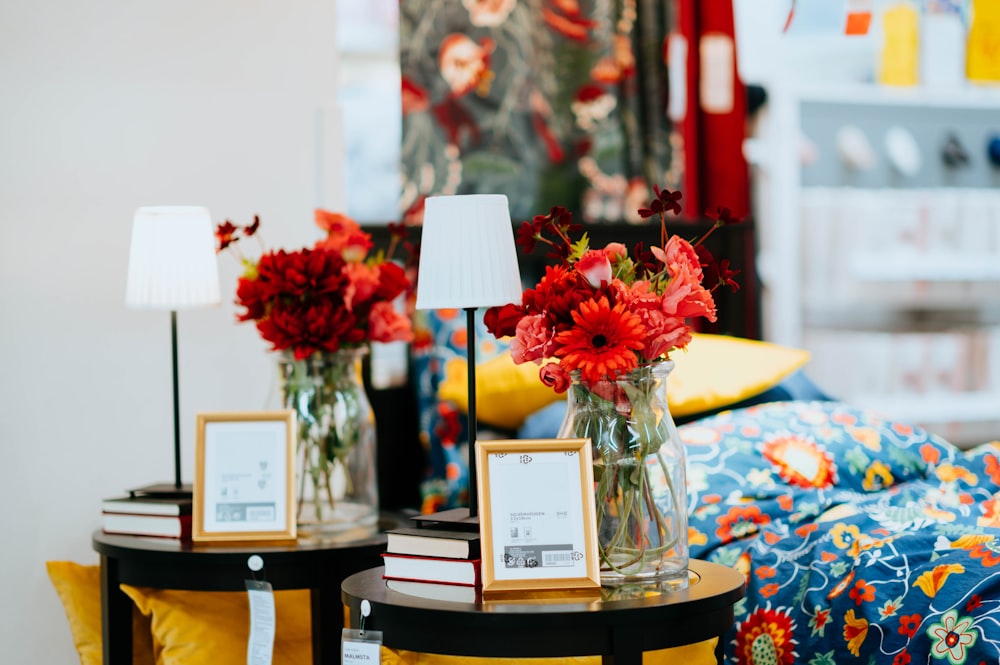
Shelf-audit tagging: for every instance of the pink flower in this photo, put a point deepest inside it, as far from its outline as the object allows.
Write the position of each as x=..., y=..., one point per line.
x=362, y=283
x=595, y=266
x=685, y=296
x=532, y=340
x=615, y=251
x=385, y=324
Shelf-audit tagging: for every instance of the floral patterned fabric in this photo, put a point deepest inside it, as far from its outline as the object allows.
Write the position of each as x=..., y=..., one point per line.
x=551, y=102
x=862, y=539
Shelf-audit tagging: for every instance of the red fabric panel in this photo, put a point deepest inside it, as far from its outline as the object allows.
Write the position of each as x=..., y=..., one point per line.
x=681, y=53
x=722, y=101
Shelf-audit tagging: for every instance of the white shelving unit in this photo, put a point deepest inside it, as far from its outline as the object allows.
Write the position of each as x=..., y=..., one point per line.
x=899, y=265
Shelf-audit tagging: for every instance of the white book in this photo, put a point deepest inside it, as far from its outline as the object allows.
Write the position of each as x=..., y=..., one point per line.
x=148, y=505
x=431, y=569
x=456, y=593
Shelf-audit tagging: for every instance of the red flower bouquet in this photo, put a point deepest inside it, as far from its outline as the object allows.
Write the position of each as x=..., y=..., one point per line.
x=602, y=324
x=323, y=298
x=603, y=312
x=320, y=307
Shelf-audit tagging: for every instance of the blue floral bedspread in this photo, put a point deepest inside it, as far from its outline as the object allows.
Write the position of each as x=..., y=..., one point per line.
x=862, y=539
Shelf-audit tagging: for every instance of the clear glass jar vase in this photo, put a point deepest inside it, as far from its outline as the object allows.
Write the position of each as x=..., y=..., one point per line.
x=336, y=464
x=639, y=474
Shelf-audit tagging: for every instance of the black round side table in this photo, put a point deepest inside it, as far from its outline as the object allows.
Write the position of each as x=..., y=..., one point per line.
x=618, y=625
x=320, y=567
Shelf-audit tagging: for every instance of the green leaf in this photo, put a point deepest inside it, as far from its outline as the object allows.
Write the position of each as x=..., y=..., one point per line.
x=579, y=248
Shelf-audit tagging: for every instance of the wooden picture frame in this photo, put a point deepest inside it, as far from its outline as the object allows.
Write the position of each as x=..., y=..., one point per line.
x=537, y=519
x=244, y=477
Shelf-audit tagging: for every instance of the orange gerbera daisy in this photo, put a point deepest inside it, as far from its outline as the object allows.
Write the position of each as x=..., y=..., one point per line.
x=603, y=342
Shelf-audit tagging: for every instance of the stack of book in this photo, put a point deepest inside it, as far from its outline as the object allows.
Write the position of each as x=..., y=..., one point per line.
x=433, y=563
x=161, y=516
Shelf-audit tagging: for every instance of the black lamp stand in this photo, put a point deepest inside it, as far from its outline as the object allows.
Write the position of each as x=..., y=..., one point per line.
x=177, y=488
x=463, y=519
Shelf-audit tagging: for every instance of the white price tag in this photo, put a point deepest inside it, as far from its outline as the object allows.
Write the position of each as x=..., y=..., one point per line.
x=361, y=647
x=262, y=623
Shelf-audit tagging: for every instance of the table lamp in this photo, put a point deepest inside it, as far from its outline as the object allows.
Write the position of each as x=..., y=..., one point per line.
x=467, y=261
x=172, y=265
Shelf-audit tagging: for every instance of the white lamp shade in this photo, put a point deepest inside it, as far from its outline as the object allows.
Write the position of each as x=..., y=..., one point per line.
x=467, y=255
x=172, y=263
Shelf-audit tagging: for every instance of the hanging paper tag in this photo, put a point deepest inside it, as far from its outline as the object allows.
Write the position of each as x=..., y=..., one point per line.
x=262, y=623
x=361, y=647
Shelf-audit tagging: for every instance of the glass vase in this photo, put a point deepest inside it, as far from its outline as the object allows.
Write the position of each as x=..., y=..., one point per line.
x=336, y=486
x=639, y=474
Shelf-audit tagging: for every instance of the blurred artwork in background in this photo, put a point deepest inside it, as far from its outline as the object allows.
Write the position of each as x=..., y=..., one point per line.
x=551, y=102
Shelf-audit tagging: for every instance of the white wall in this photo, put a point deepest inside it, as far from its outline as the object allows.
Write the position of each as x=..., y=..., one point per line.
x=107, y=105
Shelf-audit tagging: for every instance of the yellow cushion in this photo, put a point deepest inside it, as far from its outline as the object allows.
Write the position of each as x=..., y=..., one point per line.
x=212, y=627
x=506, y=393
x=716, y=371
x=700, y=653
x=79, y=590
x=713, y=372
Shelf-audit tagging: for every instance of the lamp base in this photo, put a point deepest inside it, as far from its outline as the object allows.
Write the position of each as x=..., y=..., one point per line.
x=456, y=519
x=165, y=490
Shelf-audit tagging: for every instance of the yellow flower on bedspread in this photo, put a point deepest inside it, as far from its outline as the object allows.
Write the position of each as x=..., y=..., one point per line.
x=855, y=631
x=949, y=473
x=877, y=476
x=844, y=535
x=932, y=581
x=869, y=437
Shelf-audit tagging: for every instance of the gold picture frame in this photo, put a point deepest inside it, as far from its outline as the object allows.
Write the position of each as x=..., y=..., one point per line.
x=244, y=477
x=537, y=521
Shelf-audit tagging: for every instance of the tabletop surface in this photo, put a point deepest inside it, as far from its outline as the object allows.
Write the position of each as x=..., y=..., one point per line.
x=712, y=586
x=132, y=546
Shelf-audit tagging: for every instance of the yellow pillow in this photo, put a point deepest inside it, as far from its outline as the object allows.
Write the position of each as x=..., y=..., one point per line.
x=79, y=590
x=716, y=371
x=700, y=653
x=212, y=627
x=713, y=372
x=506, y=393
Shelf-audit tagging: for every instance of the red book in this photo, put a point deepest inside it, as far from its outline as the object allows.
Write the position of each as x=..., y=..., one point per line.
x=464, y=572
x=161, y=526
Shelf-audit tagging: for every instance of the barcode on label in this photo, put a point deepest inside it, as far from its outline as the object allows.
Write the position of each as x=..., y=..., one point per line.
x=557, y=559
x=260, y=514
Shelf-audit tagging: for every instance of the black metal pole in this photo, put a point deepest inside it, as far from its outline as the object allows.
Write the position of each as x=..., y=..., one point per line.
x=470, y=341
x=177, y=414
